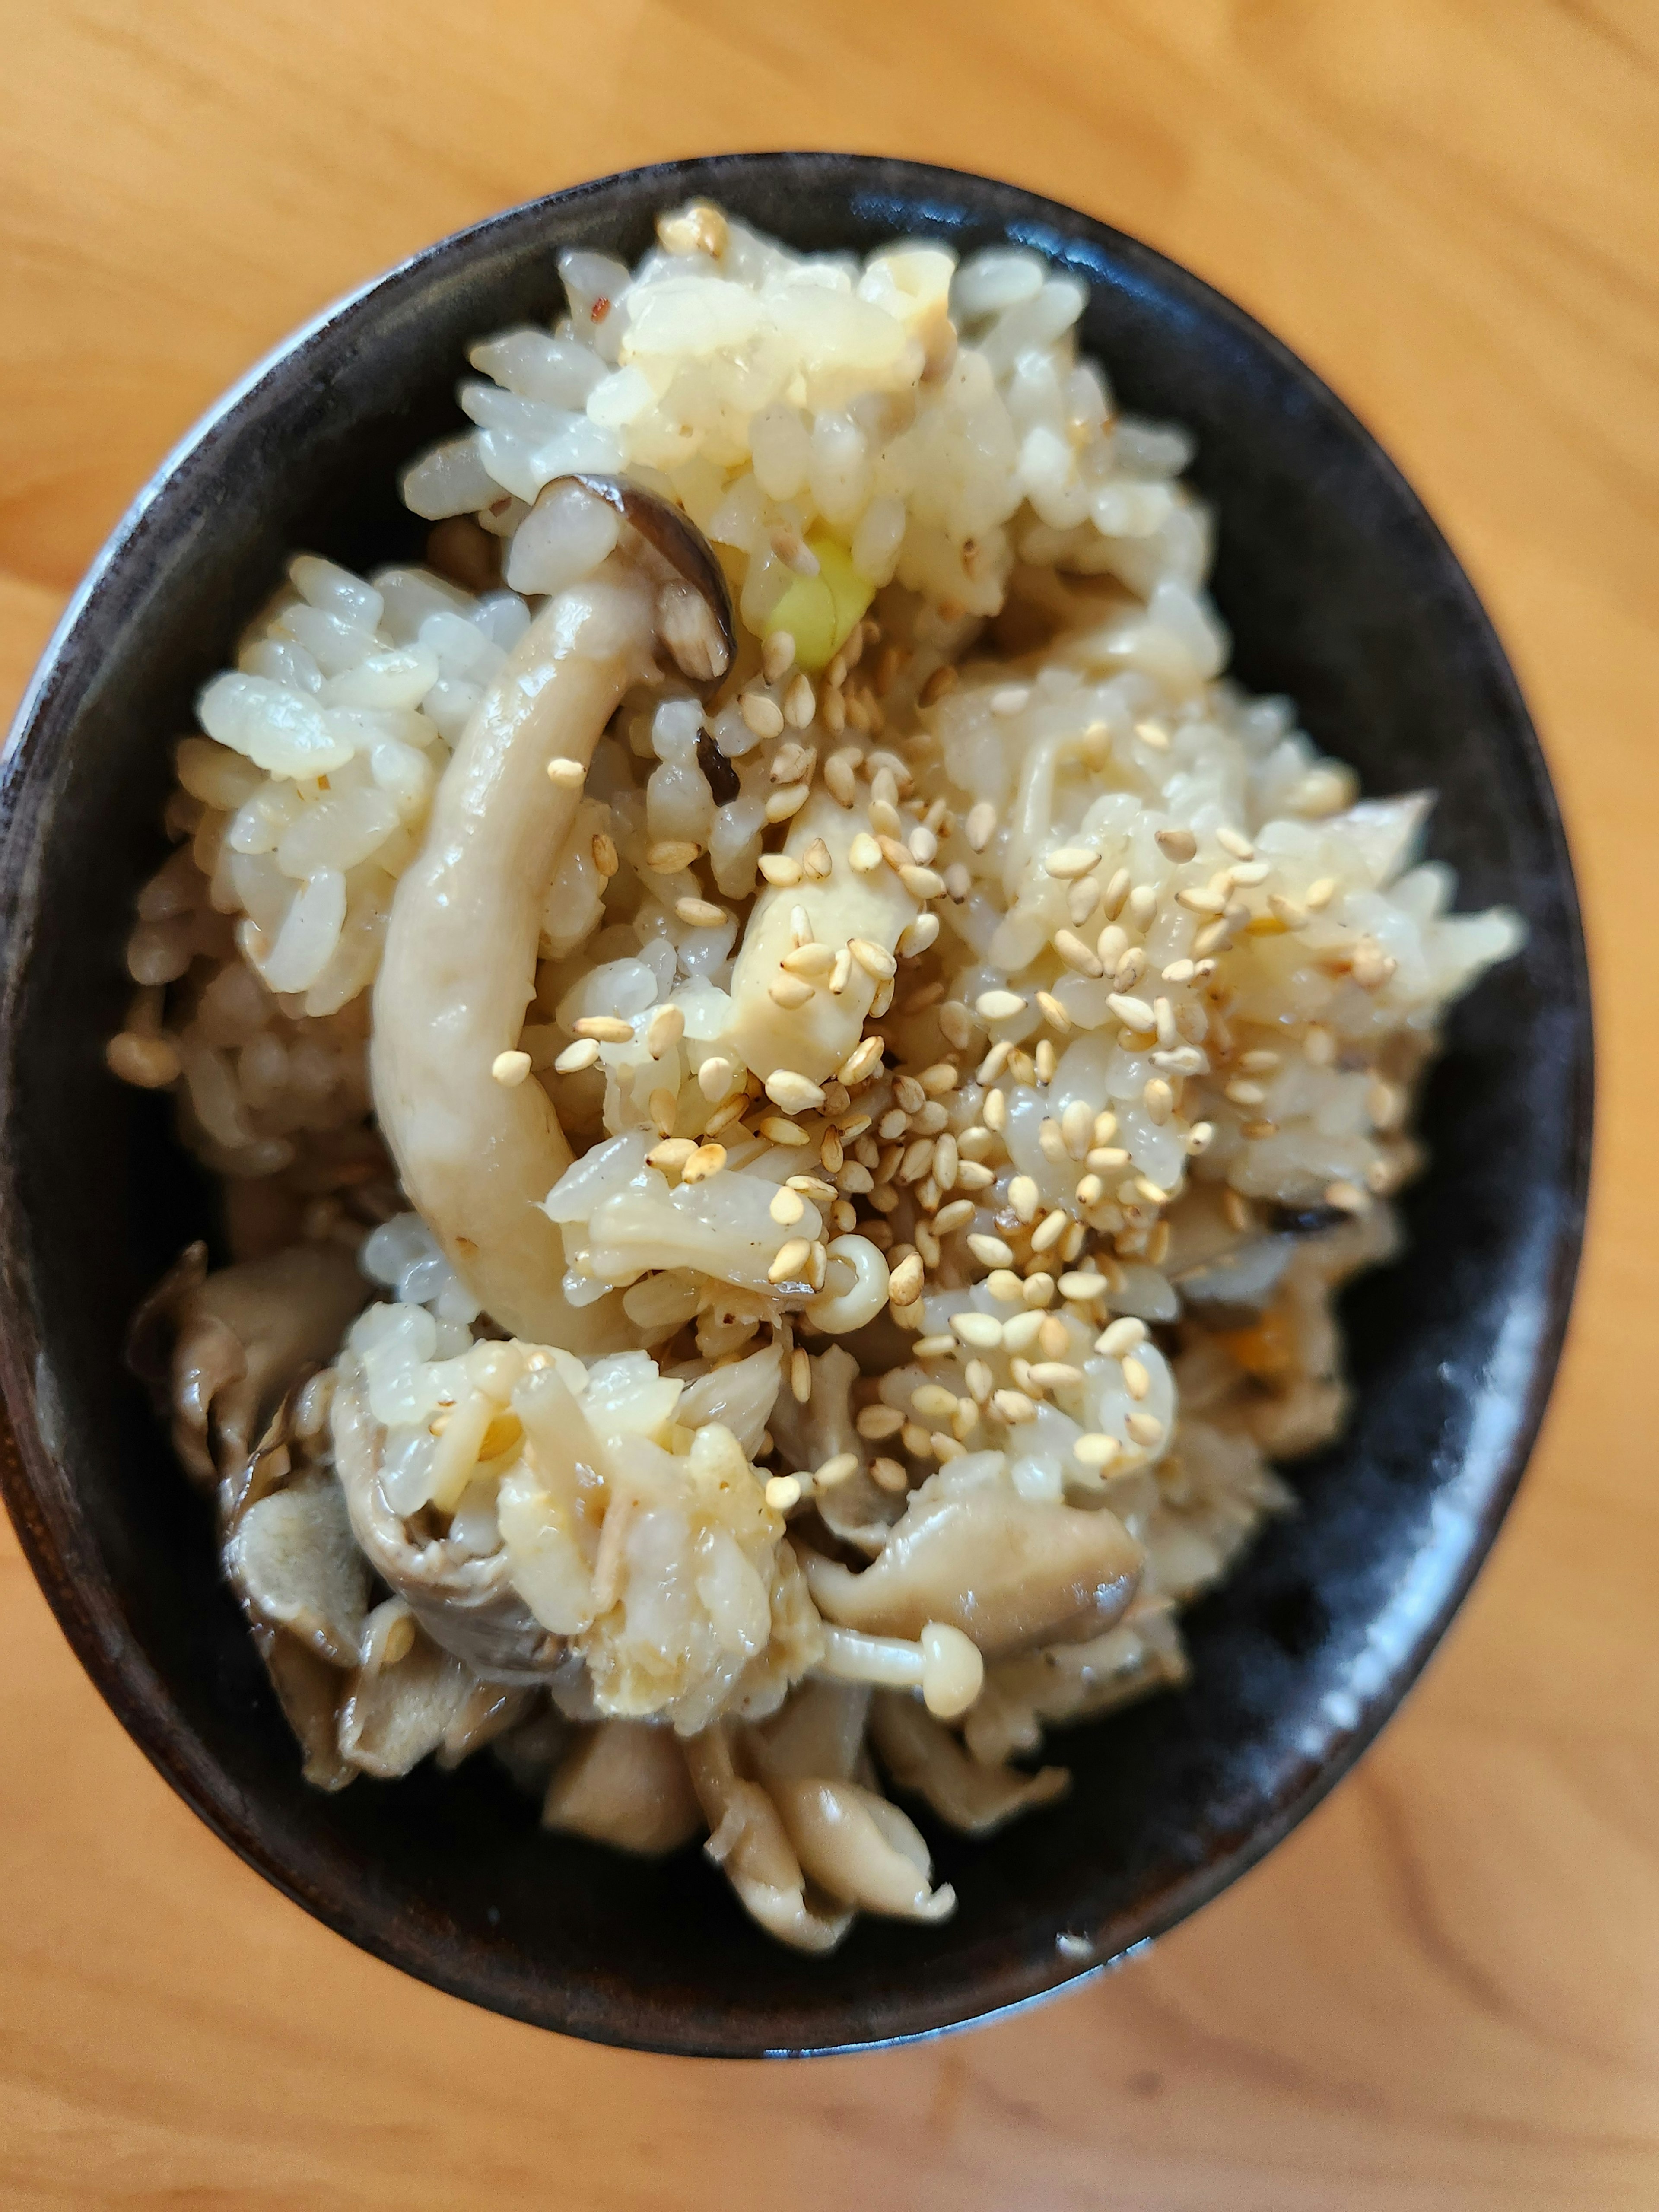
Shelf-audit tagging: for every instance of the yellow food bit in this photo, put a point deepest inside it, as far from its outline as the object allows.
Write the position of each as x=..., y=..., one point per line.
x=1267, y=1350
x=820, y=612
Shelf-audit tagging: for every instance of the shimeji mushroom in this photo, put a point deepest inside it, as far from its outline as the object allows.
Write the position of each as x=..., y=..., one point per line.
x=624, y=1783
x=1007, y=1571
x=476, y=1156
x=922, y=1755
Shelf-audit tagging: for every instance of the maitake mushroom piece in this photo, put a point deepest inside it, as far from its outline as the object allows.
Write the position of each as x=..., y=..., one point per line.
x=625, y=1784
x=467, y=1604
x=221, y=1350
x=477, y=1157
x=923, y=1756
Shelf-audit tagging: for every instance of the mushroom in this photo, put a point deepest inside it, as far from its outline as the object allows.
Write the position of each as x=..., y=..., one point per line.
x=922, y=1755
x=624, y=1783
x=220, y=1350
x=748, y=1839
x=291, y=1559
x=1007, y=1571
x=477, y=1156
x=861, y=1850
x=855, y=1508
x=394, y=1715
x=467, y=1604
x=309, y=1689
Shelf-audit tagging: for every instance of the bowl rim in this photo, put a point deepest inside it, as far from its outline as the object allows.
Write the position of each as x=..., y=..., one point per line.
x=37, y=1498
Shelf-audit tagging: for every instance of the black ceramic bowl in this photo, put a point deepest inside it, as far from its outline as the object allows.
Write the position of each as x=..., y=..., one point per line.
x=1341, y=591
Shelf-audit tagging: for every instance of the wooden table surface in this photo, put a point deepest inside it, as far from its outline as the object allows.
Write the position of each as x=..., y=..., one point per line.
x=1443, y=1991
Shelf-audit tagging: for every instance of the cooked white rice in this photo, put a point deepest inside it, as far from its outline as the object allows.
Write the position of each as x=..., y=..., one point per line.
x=981, y=1039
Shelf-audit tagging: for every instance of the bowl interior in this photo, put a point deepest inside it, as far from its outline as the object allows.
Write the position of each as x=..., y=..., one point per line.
x=1340, y=592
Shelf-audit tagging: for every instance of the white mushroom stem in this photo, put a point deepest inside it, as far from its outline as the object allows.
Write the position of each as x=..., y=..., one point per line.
x=815, y=1038
x=943, y=1664
x=477, y=1156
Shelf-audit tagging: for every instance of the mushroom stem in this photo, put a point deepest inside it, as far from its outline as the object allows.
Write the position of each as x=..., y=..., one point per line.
x=477, y=1156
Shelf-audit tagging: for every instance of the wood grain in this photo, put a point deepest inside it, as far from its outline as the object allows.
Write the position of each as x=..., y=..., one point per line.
x=1444, y=1991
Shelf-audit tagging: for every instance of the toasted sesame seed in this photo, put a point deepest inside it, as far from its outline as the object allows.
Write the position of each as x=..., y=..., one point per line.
x=981, y=824
x=672, y=1153
x=835, y=1469
x=576, y=1057
x=840, y=775
x=1143, y=905
x=714, y=1077
x=991, y=1251
x=913, y=939
x=1197, y=900
x=904, y=1283
x=605, y=858
x=982, y=1331
x=933, y=1401
x=1113, y=897
x=666, y=1029
x=1320, y=894
x=1145, y=1428
x=819, y=866
x=1024, y=1197
x=1133, y=1013
x=1050, y=1229
x=841, y=972
x=1154, y=1194
x=780, y=868
x=778, y=1131
x=783, y=804
x=568, y=775
x=1158, y=1099
x=791, y=1260
x=669, y=855
x=999, y=1006
x=1013, y=1407
x=950, y=1218
x=1243, y=1092
x=1053, y=1339
x=708, y=1160
x=700, y=913
x=1136, y=1380
x=920, y=883
x=1096, y=1449
x=787, y=1207
x=875, y=959
x=782, y=1491
x=1070, y=862
x=916, y=1440
x=800, y=702
x=1011, y=699
x=1347, y=1196
x=723, y=1116
x=878, y=1420
x=1076, y=954
x=510, y=1068
x=1177, y=845
x=777, y=655
x=1236, y=842
x=1053, y=1012
x=607, y=1029
x=794, y=1093
x=1083, y=1289
x=1056, y=1374
x=762, y=715
x=887, y=1474
x=789, y=992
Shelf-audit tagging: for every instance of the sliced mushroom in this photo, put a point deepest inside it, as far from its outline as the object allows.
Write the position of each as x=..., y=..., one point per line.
x=1007, y=1571
x=625, y=1784
x=310, y=1692
x=486, y=1711
x=861, y=1850
x=466, y=1604
x=477, y=1157
x=238, y=1339
x=921, y=1754
x=856, y=1508
x=394, y=1717
x=293, y=1562
x=819, y=1732
x=739, y=1395
x=748, y=1839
